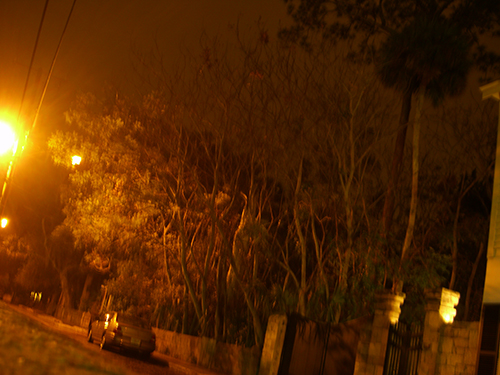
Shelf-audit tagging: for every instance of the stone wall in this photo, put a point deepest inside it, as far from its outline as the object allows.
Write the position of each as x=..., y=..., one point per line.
x=207, y=353
x=458, y=349
x=372, y=345
x=448, y=348
x=73, y=317
x=202, y=351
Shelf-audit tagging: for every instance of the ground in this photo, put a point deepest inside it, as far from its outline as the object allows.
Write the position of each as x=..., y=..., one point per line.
x=29, y=348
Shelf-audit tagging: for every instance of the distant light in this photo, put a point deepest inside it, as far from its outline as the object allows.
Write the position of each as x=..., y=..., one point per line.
x=7, y=137
x=76, y=160
x=4, y=222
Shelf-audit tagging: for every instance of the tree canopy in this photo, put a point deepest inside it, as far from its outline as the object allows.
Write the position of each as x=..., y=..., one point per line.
x=252, y=182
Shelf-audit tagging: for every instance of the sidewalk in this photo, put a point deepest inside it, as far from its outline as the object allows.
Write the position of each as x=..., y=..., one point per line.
x=50, y=321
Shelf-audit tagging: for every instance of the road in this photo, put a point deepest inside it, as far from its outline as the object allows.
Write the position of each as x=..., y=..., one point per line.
x=33, y=344
x=151, y=366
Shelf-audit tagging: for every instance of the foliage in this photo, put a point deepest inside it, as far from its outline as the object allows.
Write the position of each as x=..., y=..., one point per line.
x=247, y=184
x=369, y=22
x=428, y=52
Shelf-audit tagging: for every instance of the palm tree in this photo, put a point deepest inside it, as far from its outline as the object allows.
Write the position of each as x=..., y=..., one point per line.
x=430, y=58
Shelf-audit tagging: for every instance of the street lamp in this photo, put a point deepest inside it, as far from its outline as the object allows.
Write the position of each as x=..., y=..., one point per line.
x=76, y=160
x=8, y=145
x=7, y=138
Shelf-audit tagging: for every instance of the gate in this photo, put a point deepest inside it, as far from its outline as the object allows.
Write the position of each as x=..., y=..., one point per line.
x=403, y=349
x=312, y=348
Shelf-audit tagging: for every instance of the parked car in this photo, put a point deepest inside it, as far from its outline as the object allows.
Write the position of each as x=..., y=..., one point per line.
x=119, y=330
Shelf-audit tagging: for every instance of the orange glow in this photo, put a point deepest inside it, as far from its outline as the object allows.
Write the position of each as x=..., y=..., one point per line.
x=4, y=222
x=7, y=138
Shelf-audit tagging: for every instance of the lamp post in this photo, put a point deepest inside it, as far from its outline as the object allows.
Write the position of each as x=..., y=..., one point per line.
x=7, y=138
x=76, y=160
x=8, y=148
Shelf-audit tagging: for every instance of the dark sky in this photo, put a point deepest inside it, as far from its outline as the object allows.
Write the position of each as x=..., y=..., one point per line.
x=100, y=46
x=104, y=38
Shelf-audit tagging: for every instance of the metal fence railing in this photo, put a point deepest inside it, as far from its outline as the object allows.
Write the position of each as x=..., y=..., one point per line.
x=403, y=349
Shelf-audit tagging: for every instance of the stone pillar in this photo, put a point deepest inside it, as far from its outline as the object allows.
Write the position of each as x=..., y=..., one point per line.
x=439, y=310
x=372, y=346
x=273, y=345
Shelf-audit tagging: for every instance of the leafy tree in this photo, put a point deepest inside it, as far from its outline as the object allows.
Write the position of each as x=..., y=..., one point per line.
x=246, y=184
x=375, y=25
x=105, y=198
x=432, y=56
x=12, y=256
x=464, y=171
x=102, y=200
x=65, y=259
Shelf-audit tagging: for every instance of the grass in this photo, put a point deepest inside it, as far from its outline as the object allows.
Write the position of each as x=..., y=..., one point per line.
x=27, y=347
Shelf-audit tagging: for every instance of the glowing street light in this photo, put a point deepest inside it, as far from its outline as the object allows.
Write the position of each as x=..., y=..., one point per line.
x=7, y=138
x=4, y=222
x=76, y=160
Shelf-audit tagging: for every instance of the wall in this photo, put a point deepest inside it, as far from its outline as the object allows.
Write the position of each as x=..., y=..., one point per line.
x=451, y=350
x=73, y=317
x=204, y=352
x=372, y=346
x=458, y=349
x=447, y=348
x=207, y=353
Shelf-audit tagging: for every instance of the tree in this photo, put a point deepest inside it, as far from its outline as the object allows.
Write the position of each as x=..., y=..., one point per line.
x=373, y=24
x=102, y=200
x=432, y=56
x=466, y=139
x=244, y=141
x=247, y=184
x=105, y=197
x=65, y=259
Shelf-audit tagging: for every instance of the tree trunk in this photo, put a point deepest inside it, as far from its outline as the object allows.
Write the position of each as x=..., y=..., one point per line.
x=303, y=248
x=85, y=293
x=187, y=279
x=454, y=253
x=471, y=281
x=67, y=300
x=398, y=285
x=257, y=325
x=397, y=161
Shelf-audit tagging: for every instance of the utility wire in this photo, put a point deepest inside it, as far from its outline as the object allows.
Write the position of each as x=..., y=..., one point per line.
x=30, y=68
x=10, y=171
x=49, y=75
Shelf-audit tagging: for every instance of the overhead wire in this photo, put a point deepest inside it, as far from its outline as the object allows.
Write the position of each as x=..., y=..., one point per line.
x=17, y=153
x=49, y=75
x=30, y=68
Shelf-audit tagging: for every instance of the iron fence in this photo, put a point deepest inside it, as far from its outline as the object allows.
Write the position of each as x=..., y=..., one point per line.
x=403, y=349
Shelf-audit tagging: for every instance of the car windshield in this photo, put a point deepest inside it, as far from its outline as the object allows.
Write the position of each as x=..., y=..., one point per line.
x=131, y=320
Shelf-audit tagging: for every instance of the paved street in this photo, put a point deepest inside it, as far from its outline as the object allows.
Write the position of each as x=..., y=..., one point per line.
x=35, y=344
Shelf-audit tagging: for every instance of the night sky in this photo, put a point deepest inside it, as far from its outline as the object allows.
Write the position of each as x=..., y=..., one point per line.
x=104, y=38
x=100, y=47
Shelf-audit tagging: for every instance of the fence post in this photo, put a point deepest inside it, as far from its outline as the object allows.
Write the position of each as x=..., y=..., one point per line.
x=273, y=345
x=439, y=310
x=372, y=345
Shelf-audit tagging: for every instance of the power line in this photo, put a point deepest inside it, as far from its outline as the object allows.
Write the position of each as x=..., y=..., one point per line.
x=30, y=68
x=49, y=75
x=13, y=162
